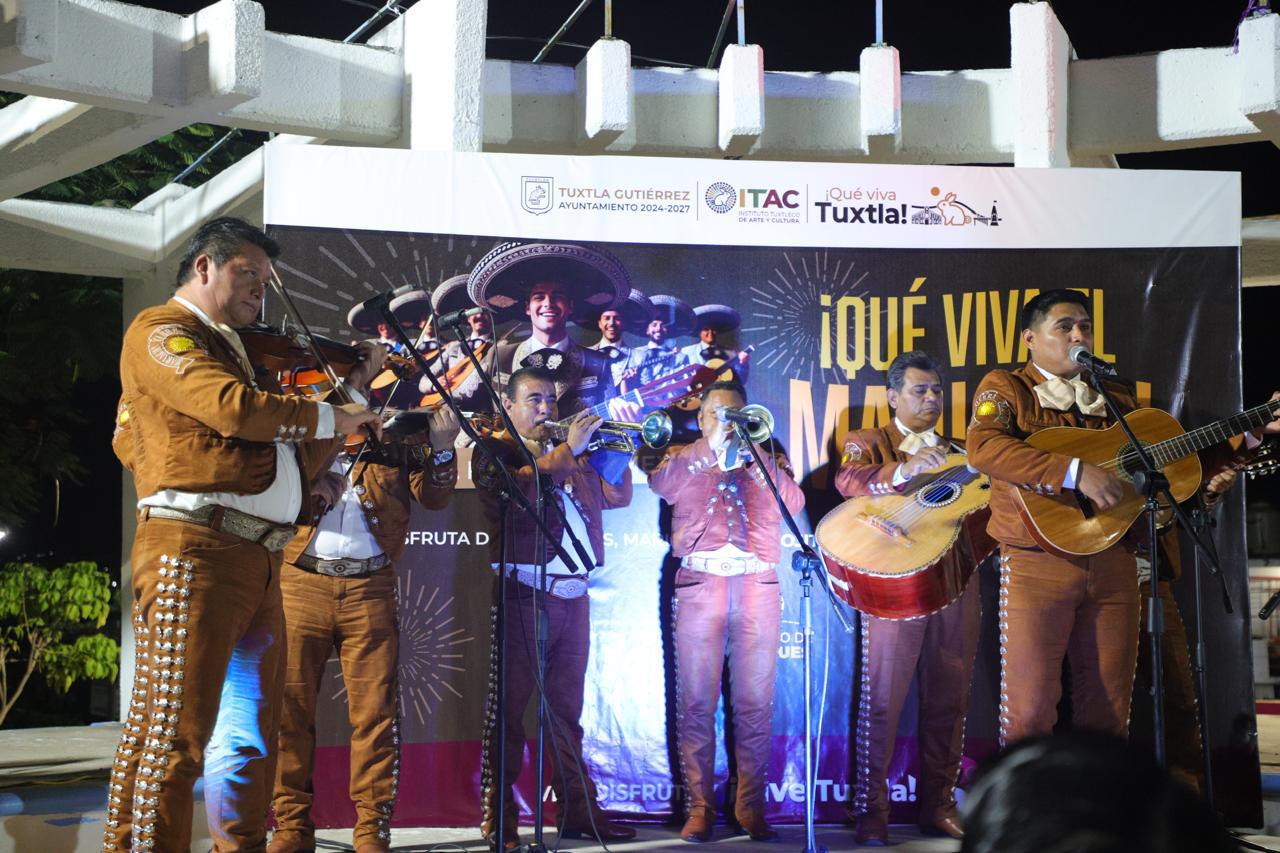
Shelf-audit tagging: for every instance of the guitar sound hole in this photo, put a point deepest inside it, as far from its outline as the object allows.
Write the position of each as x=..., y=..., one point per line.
x=938, y=494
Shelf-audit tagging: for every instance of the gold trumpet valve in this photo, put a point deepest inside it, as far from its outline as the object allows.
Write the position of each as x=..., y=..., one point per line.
x=888, y=528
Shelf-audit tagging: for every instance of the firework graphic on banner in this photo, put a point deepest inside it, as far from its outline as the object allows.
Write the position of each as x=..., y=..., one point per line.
x=431, y=648
x=329, y=270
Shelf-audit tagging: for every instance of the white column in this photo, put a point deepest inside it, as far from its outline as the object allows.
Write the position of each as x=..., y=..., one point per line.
x=880, y=97
x=1040, y=51
x=741, y=98
x=606, y=93
x=444, y=75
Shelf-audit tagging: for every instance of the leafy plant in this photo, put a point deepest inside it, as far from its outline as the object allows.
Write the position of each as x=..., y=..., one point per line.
x=48, y=617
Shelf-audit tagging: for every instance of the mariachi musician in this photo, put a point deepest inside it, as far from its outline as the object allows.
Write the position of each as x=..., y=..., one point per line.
x=940, y=647
x=1082, y=608
x=710, y=322
x=517, y=549
x=464, y=382
x=632, y=316
x=672, y=317
x=339, y=589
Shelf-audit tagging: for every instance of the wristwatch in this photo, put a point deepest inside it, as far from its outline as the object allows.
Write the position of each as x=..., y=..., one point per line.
x=442, y=457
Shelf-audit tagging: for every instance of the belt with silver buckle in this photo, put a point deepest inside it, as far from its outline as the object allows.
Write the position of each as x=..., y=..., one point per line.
x=561, y=586
x=342, y=568
x=726, y=566
x=268, y=534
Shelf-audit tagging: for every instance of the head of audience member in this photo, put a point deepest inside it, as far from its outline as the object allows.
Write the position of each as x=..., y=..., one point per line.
x=728, y=394
x=1054, y=322
x=225, y=270
x=1085, y=792
x=530, y=400
x=548, y=309
x=611, y=326
x=915, y=390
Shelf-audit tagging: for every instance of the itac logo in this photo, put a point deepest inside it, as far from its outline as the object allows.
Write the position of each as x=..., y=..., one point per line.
x=535, y=193
x=721, y=197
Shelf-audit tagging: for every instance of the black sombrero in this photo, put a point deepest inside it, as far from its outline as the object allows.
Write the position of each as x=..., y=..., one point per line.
x=594, y=278
x=722, y=318
x=675, y=312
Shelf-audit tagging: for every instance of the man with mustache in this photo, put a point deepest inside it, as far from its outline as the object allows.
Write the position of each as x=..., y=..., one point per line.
x=940, y=647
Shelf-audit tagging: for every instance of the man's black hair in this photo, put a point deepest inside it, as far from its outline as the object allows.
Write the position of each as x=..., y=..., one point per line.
x=526, y=374
x=919, y=359
x=1037, y=309
x=222, y=239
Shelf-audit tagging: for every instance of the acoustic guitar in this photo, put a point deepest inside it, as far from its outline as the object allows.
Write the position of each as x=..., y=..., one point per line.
x=1070, y=525
x=724, y=369
x=884, y=552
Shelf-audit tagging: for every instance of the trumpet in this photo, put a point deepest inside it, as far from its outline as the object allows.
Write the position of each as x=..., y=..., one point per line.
x=654, y=431
x=755, y=422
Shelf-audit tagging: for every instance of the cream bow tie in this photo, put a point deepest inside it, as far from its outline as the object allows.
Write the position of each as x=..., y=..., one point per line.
x=913, y=441
x=1061, y=394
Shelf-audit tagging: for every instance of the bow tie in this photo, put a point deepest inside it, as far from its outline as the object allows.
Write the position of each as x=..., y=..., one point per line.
x=714, y=352
x=1061, y=394
x=913, y=441
x=612, y=352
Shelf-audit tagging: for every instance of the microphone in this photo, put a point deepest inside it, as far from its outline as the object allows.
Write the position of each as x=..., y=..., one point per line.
x=375, y=302
x=1081, y=356
x=457, y=318
x=738, y=416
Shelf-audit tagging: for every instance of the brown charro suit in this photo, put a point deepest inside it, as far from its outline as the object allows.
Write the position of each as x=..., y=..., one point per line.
x=1085, y=608
x=725, y=615
x=358, y=616
x=941, y=647
x=567, y=624
x=207, y=616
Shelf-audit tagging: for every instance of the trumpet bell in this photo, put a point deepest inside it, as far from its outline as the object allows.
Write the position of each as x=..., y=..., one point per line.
x=762, y=422
x=655, y=429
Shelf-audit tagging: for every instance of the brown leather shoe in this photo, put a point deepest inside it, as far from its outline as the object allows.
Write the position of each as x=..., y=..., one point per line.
x=510, y=841
x=603, y=830
x=699, y=825
x=755, y=826
x=945, y=824
x=870, y=830
x=290, y=843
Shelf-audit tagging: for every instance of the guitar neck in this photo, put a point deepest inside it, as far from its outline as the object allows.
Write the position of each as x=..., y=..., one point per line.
x=1196, y=440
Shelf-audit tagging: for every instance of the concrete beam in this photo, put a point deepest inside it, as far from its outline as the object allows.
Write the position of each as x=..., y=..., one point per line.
x=443, y=64
x=880, y=101
x=1259, y=61
x=27, y=34
x=741, y=98
x=605, y=91
x=1040, y=53
x=28, y=242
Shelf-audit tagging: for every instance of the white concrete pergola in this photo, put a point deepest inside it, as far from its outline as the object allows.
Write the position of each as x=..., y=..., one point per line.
x=105, y=77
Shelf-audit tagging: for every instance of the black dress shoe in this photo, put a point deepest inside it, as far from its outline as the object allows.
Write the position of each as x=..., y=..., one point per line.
x=604, y=830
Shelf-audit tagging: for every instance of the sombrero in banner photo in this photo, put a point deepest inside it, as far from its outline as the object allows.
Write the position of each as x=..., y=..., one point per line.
x=412, y=308
x=675, y=312
x=365, y=318
x=722, y=318
x=451, y=295
x=637, y=311
x=595, y=279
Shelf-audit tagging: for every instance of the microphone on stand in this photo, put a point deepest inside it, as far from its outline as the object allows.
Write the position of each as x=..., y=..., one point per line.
x=374, y=302
x=1081, y=356
x=1274, y=601
x=457, y=318
x=739, y=416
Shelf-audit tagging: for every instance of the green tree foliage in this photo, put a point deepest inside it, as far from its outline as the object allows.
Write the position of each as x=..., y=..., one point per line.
x=47, y=621
x=60, y=331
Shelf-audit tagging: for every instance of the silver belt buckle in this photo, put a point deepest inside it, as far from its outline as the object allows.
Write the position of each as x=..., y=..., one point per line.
x=278, y=538
x=566, y=588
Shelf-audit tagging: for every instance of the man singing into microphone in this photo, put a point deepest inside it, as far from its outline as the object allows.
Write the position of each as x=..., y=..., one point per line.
x=725, y=532
x=1085, y=608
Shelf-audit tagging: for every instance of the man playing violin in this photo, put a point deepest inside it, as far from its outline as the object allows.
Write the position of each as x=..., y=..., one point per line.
x=725, y=533
x=339, y=588
x=1083, y=608
x=940, y=647
x=575, y=549
x=221, y=464
x=469, y=394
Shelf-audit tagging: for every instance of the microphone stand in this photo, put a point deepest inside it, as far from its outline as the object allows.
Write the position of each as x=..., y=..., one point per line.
x=807, y=562
x=536, y=512
x=1151, y=482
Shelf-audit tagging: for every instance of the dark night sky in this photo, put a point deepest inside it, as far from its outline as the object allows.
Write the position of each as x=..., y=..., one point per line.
x=796, y=37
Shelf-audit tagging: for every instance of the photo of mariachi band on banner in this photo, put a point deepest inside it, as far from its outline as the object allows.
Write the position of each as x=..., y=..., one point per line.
x=676, y=687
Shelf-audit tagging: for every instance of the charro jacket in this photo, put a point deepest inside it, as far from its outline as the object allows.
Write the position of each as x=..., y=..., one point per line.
x=385, y=493
x=711, y=508
x=191, y=418
x=572, y=474
x=1006, y=411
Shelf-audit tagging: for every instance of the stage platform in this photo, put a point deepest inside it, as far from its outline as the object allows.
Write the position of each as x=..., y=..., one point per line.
x=53, y=797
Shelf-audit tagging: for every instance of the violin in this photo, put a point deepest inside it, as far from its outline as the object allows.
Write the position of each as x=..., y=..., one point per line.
x=287, y=354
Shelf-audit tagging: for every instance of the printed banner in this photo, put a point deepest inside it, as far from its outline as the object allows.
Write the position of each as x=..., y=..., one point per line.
x=825, y=272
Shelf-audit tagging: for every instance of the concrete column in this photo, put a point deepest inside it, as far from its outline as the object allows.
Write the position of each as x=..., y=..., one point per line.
x=1040, y=51
x=1259, y=60
x=880, y=101
x=606, y=93
x=741, y=98
x=444, y=75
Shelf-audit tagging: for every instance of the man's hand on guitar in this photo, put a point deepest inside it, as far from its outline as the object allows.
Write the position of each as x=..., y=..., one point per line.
x=1272, y=428
x=925, y=459
x=625, y=410
x=1099, y=485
